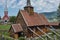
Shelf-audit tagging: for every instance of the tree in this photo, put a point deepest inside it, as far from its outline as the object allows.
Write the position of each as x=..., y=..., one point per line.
x=12, y=19
x=21, y=38
x=58, y=13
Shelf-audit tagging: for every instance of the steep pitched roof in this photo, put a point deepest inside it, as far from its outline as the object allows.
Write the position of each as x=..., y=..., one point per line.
x=17, y=27
x=33, y=20
x=44, y=19
x=5, y=18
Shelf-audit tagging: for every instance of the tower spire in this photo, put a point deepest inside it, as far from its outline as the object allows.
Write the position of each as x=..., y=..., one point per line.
x=28, y=3
x=5, y=17
x=6, y=9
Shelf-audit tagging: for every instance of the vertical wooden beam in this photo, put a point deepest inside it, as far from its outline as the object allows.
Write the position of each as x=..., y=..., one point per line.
x=16, y=36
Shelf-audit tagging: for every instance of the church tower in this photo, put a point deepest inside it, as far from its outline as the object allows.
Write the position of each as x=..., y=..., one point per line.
x=29, y=8
x=5, y=17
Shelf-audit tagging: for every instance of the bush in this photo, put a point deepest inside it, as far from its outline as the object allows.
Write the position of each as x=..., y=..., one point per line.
x=21, y=38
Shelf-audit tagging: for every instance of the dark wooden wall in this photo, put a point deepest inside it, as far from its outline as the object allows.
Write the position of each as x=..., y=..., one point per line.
x=20, y=20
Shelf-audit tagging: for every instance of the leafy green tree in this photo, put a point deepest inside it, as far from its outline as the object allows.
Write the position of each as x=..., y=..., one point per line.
x=58, y=13
x=12, y=19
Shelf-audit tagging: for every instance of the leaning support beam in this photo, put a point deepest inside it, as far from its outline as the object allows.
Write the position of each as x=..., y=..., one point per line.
x=53, y=31
x=44, y=33
x=35, y=33
x=53, y=28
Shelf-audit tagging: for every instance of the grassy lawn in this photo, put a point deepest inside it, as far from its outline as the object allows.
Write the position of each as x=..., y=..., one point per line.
x=5, y=27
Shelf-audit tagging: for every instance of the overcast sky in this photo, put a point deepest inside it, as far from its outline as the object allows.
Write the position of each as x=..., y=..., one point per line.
x=39, y=6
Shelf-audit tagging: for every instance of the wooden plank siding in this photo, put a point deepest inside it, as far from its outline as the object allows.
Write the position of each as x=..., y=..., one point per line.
x=22, y=22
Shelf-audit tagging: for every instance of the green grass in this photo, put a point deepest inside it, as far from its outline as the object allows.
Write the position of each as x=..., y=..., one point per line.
x=5, y=27
x=6, y=34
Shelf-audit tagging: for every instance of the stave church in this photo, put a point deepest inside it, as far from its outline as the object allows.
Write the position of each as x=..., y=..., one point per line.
x=31, y=24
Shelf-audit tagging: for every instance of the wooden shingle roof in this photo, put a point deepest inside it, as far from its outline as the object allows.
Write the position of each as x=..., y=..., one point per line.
x=34, y=20
x=44, y=19
x=17, y=28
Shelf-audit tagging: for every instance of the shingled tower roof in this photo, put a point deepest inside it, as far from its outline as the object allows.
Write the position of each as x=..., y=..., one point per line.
x=28, y=3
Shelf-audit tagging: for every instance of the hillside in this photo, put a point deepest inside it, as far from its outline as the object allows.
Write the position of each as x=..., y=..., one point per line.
x=50, y=14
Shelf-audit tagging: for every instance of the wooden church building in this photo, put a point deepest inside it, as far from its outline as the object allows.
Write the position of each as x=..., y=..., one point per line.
x=28, y=23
